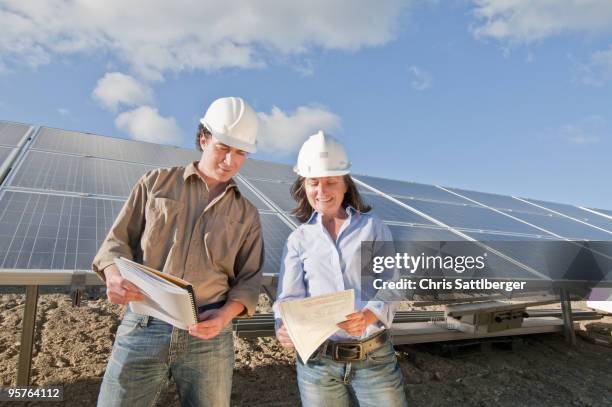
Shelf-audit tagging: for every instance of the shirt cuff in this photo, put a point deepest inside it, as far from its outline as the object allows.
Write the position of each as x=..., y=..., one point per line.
x=99, y=266
x=381, y=310
x=245, y=299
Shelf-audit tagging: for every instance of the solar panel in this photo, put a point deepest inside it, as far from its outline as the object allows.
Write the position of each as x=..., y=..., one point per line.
x=45, y=229
x=470, y=217
x=275, y=234
x=12, y=133
x=577, y=213
x=248, y=194
x=113, y=148
x=58, y=172
x=4, y=153
x=267, y=170
x=564, y=227
x=42, y=231
x=411, y=190
x=501, y=202
x=276, y=191
x=387, y=210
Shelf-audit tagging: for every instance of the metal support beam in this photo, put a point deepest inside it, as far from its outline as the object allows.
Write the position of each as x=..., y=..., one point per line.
x=27, y=336
x=568, y=321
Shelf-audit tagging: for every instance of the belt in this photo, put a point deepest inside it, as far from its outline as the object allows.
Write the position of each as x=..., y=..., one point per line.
x=214, y=305
x=353, y=351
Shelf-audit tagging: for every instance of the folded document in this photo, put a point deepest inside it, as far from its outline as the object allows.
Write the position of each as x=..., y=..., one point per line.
x=311, y=321
x=168, y=298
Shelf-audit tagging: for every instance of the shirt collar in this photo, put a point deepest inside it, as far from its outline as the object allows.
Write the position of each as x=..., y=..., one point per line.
x=191, y=170
x=350, y=211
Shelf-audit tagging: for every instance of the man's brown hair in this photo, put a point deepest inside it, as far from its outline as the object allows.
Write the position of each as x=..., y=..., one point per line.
x=201, y=131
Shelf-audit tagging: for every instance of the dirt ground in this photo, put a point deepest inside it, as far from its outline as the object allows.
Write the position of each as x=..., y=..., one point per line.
x=73, y=346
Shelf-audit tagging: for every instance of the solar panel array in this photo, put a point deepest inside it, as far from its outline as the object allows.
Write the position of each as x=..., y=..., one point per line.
x=67, y=187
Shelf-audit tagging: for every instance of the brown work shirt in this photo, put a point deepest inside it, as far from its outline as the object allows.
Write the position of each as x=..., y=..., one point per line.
x=168, y=224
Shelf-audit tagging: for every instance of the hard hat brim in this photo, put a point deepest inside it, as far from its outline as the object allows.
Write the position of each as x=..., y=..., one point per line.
x=322, y=173
x=231, y=141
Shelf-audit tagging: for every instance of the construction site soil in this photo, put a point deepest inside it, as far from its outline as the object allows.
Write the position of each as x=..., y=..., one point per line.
x=73, y=345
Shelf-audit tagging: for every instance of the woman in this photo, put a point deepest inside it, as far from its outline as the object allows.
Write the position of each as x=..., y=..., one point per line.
x=323, y=256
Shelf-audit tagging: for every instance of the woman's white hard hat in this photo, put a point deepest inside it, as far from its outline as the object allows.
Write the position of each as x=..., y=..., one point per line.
x=233, y=122
x=322, y=156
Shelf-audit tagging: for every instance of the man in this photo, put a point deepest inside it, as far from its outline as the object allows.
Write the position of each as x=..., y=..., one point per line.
x=191, y=222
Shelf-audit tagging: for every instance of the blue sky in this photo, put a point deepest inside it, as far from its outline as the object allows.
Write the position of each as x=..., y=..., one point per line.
x=490, y=95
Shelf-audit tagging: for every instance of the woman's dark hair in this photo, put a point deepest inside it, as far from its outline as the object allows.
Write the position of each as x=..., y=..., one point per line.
x=303, y=211
x=201, y=131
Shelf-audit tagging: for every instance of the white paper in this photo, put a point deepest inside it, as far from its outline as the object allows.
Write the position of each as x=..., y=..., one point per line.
x=163, y=300
x=312, y=320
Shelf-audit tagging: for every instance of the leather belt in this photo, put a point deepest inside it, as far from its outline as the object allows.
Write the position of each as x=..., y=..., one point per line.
x=353, y=351
x=214, y=305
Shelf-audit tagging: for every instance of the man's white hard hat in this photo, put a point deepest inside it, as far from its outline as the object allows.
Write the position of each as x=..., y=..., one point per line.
x=233, y=122
x=322, y=156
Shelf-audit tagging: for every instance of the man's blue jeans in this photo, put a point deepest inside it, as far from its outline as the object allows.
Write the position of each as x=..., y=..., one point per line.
x=376, y=381
x=147, y=352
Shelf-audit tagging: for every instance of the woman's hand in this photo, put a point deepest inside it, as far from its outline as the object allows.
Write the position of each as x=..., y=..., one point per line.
x=283, y=337
x=357, y=322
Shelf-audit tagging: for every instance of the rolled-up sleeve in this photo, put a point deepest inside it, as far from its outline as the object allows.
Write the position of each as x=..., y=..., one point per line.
x=246, y=285
x=384, y=309
x=124, y=236
x=291, y=278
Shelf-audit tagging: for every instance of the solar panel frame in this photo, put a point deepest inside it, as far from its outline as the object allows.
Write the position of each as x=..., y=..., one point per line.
x=4, y=153
x=12, y=133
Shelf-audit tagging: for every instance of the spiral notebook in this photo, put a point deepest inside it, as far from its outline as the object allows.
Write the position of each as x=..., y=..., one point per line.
x=168, y=298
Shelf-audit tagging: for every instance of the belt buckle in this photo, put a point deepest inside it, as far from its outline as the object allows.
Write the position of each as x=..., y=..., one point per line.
x=350, y=347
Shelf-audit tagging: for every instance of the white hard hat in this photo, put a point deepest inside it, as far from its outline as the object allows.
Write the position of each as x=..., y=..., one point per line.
x=322, y=156
x=233, y=122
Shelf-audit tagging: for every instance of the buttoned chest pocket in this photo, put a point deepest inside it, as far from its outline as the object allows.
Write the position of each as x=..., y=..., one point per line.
x=223, y=238
x=161, y=219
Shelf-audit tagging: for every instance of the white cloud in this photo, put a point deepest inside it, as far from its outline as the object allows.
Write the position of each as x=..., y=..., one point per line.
x=589, y=130
x=523, y=21
x=116, y=89
x=284, y=133
x=63, y=111
x=155, y=36
x=598, y=71
x=145, y=124
x=419, y=79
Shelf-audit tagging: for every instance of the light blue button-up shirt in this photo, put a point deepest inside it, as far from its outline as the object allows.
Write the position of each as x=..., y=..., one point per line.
x=313, y=264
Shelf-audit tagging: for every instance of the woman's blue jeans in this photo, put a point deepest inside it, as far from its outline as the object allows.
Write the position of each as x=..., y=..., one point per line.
x=147, y=352
x=376, y=381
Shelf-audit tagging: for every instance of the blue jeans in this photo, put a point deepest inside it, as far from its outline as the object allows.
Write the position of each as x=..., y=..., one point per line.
x=376, y=381
x=147, y=352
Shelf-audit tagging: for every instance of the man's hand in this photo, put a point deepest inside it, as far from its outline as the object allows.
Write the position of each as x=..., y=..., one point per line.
x=118, y=289
x=357, y=322
x=283, y=337
x=213, y=321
